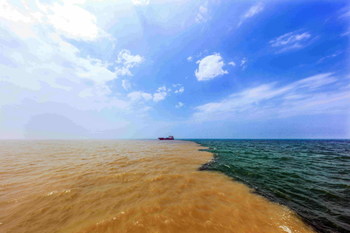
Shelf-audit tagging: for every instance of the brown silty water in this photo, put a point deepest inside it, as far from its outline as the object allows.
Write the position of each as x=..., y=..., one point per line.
x=127, y=186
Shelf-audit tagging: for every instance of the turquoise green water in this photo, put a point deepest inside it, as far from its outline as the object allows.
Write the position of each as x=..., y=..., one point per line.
x=312, y=177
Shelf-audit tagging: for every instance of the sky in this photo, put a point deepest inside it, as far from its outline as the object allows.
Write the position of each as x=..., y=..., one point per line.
x=94, y=69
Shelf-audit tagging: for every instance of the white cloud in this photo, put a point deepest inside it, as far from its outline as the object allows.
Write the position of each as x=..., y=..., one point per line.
x=68, y=18
x=210, y=67
x=307, y=96
x=291, y=41
x=190, y=58
x=243, y=63
x=160, y=94
x=178, y=88
x=139, y=95
x=42, y=71
x=322, y=59
x=11, y=13
x=48, y=59
x=252, y=11
x=126, y=84
x=127, y=61
x=347, y=32
x=344, y=13
x=203, y=13
x=257, y=8
x=72, y=21
x=179, y=105
x=231, y=63
x=125, y=57
x=141, y=2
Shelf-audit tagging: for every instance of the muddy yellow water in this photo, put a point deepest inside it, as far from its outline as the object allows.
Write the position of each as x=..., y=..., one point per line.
x=126, y=186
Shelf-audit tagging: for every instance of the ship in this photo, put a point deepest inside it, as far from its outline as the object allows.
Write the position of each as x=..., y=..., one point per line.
x=167, y=138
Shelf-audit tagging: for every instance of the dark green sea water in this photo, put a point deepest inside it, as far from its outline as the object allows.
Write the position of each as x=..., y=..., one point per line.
x=312, y=177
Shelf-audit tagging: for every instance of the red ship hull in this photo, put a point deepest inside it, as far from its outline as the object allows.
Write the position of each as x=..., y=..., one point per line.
x=168, y=138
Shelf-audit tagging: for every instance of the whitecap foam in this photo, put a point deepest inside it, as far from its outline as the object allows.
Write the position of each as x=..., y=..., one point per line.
x=286, y=229
x=51, y=193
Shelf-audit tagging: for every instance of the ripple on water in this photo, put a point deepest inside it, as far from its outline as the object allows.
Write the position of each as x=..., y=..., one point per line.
x=128, y=186
x=310, y=176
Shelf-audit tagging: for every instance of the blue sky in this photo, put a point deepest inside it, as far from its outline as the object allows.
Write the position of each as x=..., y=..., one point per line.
x=193, y=69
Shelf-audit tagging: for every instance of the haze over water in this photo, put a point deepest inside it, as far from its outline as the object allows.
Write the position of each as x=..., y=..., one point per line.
x=127, y=186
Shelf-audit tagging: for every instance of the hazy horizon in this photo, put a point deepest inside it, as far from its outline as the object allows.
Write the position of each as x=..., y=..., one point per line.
x=185, y=139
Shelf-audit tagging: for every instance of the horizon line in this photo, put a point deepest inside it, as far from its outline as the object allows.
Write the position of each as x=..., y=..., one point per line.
x=77, y=139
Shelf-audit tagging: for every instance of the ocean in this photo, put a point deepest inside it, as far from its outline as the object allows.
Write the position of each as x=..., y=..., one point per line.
x=312, y=177
x=82, y=186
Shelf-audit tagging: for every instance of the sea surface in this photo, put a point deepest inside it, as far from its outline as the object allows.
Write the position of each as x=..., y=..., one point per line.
x=156, y=186
x=312, y=177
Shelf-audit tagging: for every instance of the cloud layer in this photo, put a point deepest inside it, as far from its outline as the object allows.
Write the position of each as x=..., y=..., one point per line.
x=307, y=96
x=116, y=68
x=44, y=71
x=252, y=11
x=291, y=41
